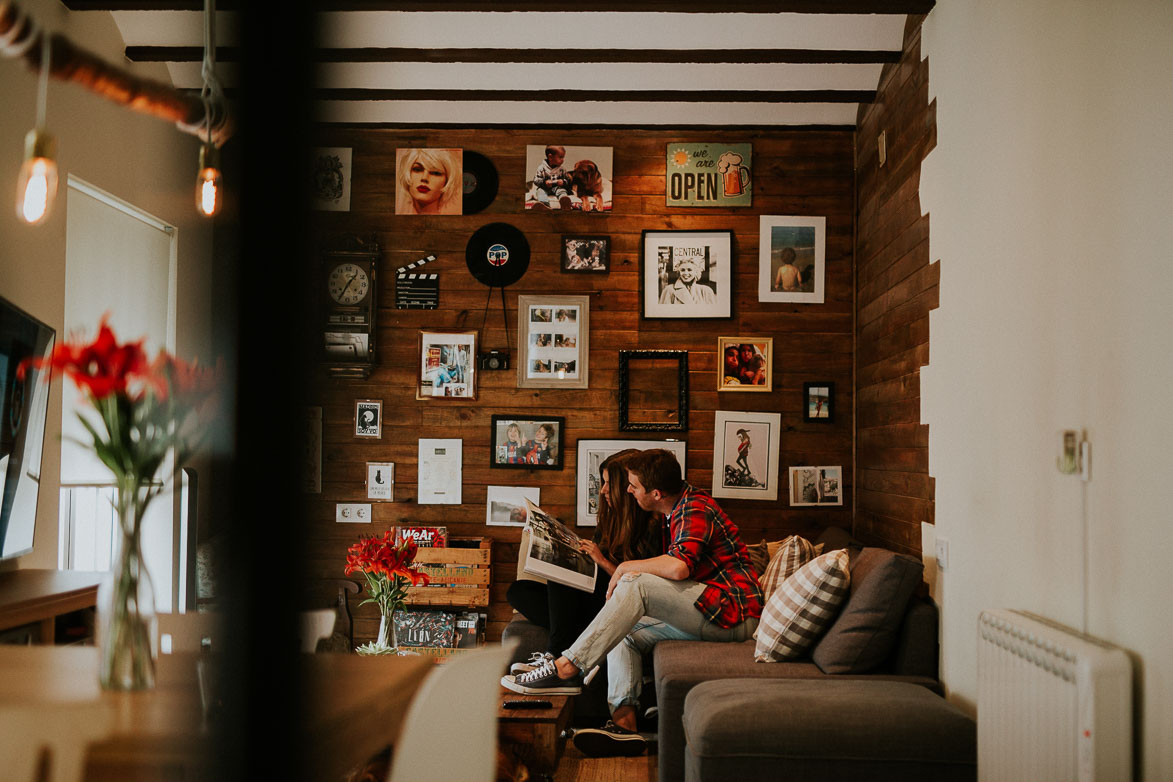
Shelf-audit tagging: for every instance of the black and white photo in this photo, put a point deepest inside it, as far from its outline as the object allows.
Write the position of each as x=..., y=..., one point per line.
x=687, y=274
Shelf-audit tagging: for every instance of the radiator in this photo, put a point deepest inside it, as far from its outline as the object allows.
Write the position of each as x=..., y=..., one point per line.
x=1054, y=705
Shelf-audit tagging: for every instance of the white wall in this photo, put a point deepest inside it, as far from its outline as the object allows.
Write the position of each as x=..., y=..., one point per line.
x=1050, y=195
x=141, y=159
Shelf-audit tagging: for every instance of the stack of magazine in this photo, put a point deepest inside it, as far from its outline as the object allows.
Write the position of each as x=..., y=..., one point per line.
x=552, y=552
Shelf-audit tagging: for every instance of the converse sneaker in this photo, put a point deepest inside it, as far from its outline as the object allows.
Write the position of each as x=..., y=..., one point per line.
x=542, y=680
x=609, y=741
x=535, y=660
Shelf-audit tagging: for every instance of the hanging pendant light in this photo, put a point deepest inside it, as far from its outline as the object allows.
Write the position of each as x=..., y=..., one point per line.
x=36, y=186
x=209, y=189
x=208, y=194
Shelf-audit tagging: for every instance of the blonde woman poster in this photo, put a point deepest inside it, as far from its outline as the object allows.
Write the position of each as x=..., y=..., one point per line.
x=429, y=181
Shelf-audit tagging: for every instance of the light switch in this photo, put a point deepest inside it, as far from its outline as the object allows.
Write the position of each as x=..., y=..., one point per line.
x=942, y=554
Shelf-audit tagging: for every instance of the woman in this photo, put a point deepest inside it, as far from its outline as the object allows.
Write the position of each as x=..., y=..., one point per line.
x=625, y=531
x=430, y=182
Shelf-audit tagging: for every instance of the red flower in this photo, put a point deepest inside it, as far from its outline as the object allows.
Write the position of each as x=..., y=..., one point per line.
x=387, y=566
x=102, y=367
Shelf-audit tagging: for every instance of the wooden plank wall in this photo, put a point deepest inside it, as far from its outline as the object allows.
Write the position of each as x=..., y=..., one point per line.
x=795, y=173
x=896, y=288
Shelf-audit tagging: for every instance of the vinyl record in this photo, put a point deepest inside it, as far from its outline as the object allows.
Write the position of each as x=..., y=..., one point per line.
x=480, y=182
x=497, y=254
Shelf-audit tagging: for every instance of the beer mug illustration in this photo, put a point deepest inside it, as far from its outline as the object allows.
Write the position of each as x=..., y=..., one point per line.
x=734, y=175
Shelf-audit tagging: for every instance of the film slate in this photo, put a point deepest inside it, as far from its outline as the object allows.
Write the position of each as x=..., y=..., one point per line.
x=415, y=290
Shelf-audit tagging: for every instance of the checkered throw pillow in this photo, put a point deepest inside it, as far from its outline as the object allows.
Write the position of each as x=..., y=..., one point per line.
x=793, y=553
x=805, y=605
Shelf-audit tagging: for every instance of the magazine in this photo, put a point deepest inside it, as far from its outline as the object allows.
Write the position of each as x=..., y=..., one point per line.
x=424, y=537
x=553, y=552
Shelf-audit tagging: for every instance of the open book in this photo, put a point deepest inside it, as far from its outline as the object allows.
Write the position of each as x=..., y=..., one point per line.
x=552, y=552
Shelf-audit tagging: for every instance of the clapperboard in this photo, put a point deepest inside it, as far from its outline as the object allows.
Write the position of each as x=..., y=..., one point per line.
x=416, y=291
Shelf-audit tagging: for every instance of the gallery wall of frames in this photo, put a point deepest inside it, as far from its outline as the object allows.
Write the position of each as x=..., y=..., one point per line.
x=583, y=289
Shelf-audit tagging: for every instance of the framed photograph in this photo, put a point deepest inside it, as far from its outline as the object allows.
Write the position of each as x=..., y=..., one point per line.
x=709, y=175
x=368, y=418
x=590, y=254
x=816, y=486
x=687, y=274
x=440, y=471
x=591, y=454
x=567, y=178
x=653, y=390
x=429, y=181
x=505, y=505
x=745, y=455
x=527, y=443
x=747, y=363
x=381, y=481
x=791, y=259
x=818, y=401
x=553, y=337
x=448, y=367
x=331, y=178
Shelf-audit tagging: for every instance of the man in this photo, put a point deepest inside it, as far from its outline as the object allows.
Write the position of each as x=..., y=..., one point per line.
x=702, y=588
x=688, y=289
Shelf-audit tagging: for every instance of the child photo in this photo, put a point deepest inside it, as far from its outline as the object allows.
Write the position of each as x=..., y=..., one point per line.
x=568, y=178
x=791, y=258
x=527, y=443
x=746, y=363
x=429, y=181
x=586, y=254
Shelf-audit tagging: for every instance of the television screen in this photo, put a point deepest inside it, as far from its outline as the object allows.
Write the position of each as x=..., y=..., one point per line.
x=24, y=405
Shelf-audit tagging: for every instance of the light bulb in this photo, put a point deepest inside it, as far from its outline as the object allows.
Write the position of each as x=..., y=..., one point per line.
x=208, y=194
x=36, y=186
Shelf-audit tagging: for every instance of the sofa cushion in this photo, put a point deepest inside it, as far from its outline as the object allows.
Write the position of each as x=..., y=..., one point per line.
x=760, y=554
x=793, y=552
x=796, y=614
x=863, y=634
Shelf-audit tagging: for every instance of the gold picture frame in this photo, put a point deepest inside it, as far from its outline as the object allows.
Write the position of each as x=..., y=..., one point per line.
x=745, y=364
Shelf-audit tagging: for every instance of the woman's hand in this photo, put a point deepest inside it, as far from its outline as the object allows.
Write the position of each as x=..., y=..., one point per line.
x=592, y=550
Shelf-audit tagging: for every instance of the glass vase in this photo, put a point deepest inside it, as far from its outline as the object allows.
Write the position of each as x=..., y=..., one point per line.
x=387, y=636
x=126, y=610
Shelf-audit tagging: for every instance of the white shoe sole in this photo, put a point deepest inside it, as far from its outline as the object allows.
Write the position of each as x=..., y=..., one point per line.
x=510, y=683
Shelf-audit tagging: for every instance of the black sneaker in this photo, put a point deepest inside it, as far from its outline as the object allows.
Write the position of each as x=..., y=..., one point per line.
x=542, y=680
x=609, y=741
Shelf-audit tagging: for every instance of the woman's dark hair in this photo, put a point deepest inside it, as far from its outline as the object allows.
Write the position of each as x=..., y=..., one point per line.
x=623, y=524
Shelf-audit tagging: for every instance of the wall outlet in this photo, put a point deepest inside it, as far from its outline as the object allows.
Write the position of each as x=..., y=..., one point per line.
x=353, y=512
x=942, y=554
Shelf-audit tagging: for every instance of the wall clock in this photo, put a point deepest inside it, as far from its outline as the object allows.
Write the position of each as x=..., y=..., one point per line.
x=349, y=283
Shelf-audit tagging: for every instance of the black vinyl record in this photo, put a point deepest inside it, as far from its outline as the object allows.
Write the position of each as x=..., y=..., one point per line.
x=497, y=254
x=480, y=182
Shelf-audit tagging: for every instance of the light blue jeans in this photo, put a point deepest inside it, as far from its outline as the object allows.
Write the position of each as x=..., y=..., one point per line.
x=644, y=610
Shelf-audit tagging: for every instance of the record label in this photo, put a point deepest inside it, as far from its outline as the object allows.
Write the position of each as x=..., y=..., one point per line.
x=479, y=182
x=497, y=254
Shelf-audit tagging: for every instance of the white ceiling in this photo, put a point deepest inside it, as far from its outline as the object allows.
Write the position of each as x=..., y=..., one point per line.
x=532, y=67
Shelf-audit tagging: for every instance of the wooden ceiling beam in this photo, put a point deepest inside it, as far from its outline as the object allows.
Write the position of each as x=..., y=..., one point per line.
x=544, y=56
x=597, y=6
x=603, y=96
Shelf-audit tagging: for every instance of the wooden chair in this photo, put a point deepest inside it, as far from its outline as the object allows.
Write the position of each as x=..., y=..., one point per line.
x=314, y=626
x=47, y=742
x=190, y=632
x=458, y=699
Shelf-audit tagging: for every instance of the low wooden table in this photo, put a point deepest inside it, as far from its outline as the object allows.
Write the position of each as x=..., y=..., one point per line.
x=535, y=734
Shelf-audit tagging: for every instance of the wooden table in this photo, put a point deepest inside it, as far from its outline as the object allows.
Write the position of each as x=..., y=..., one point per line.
x=40, y=596
x=535, y=734
x=358, y=705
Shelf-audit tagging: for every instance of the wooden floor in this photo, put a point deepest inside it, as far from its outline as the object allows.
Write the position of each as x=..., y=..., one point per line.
x=576, y=767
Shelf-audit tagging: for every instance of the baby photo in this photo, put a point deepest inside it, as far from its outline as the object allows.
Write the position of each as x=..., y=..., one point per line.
x=568, y=178
x=429, y=181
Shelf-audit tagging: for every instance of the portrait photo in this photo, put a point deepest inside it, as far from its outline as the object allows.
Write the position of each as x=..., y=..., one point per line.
x=568, y=178
x=447, y=368
x=429, y=181
x=687, y=274
x=586, y=254
x=527, y=443
x=816, y=486
x=791, y=259
x=746, y=363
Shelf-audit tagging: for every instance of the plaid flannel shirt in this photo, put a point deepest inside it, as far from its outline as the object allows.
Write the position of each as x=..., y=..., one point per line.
x=707, y=540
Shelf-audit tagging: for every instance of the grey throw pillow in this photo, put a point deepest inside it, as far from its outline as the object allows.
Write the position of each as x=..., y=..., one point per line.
x=865, y=631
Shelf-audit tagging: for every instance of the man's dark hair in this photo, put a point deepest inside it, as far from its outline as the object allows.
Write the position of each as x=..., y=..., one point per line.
x=657, y=469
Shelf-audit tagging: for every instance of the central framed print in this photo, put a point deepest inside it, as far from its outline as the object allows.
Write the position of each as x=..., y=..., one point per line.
x=745, y=455
x=591, y=454
x=686, y=274
x=553, y=337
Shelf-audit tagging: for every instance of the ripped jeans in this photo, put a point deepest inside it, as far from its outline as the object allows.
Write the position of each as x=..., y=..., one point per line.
x=644, y=610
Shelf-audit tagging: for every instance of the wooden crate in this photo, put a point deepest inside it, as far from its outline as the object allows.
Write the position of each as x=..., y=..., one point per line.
x=460, y=577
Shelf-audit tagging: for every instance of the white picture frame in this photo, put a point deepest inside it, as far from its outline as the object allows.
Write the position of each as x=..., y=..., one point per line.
x=686, y=274
x=447, y=365
x=745, y=455
x=591, y=454
x=439, y=474
x=381, y=481
x=807, y=237
x=505, y=505
x=553, y=341
x=815, y=486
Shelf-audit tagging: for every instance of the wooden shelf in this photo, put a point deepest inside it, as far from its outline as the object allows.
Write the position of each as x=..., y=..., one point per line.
x=39, y=597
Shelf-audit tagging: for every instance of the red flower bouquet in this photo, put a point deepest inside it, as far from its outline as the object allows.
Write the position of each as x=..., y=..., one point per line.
x=145, y=409
x=387, y=567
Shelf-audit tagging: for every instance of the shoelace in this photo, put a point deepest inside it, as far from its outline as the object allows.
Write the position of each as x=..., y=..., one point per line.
x=547, y=668
x=537, y=657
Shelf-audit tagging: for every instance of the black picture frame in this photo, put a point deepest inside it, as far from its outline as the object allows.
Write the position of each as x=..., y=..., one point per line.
x=525, y=453
x=818, y=402
x=627, y=390
x=583, y=254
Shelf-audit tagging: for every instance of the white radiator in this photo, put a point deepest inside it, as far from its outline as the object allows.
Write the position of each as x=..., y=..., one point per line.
x=1054, y=705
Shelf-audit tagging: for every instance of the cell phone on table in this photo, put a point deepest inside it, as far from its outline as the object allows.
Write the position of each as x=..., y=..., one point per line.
x=520, y=704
